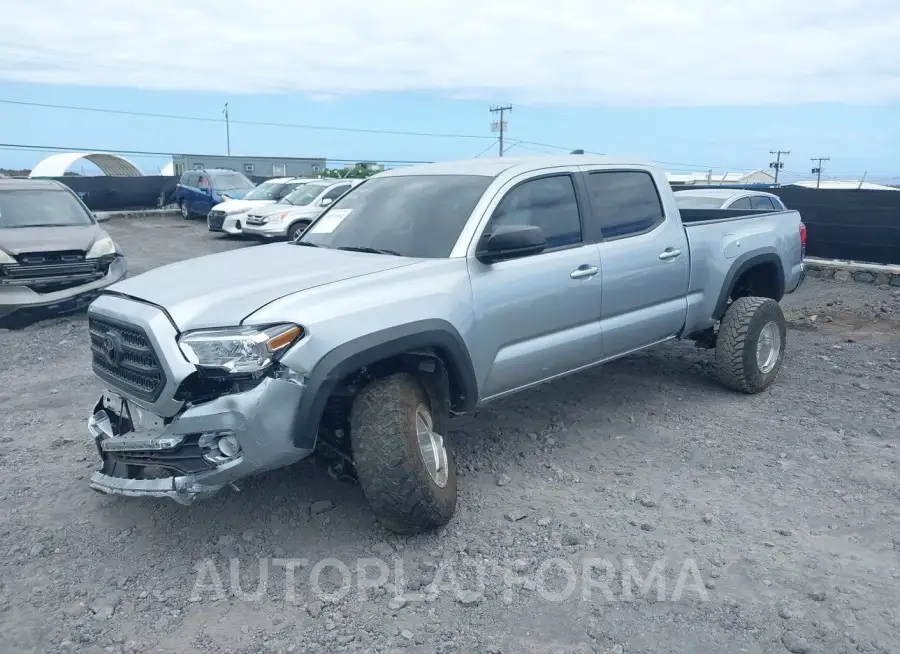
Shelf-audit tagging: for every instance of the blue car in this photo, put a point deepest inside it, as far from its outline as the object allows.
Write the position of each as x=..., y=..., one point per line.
x=198, y=191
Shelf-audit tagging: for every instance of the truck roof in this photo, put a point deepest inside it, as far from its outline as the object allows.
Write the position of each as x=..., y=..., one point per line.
x=491, y=167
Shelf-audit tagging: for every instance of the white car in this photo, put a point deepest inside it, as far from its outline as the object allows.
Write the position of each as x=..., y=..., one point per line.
x=728, y=198
x=288, y=218
x=229, y=216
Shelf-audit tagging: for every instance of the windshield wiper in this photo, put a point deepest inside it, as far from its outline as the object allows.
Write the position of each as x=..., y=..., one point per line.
x=306, y=244
x=350, y=248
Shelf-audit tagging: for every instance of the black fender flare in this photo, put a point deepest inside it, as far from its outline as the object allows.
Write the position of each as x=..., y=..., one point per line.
x=348, y=357
x=742, y=264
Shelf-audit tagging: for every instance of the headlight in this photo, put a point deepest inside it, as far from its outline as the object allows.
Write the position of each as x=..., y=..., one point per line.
x=101, y=248
x=234, y=212
x=5, y=258
x=277, y=217
x=238, y=349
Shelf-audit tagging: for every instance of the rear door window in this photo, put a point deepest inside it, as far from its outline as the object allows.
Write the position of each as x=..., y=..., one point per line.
x=761, y=202
x=741, y=205
x=626, y=203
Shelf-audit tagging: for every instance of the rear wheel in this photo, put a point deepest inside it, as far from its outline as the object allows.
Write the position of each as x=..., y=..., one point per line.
x=184, y=210
x=404, y=467
x=296, y=229
x=750, y=344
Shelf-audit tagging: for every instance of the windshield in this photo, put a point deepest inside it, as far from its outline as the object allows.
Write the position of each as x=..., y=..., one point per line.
x=306, y=194
x=44, y=208
x=413, y=216
x=698, y=202
x=271, y=190
x=230, y=181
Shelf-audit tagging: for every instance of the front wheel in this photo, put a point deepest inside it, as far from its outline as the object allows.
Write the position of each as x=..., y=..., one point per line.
x=404, y=467
x=296, y=229
x=184, y=210
x=750, y=344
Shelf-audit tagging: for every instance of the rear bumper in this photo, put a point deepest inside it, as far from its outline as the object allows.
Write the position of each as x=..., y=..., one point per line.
x=262, y=420
x=799, y=275
x=19, y=304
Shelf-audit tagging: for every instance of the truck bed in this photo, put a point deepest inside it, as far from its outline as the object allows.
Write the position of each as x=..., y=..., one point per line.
x=722, y=240
x=693, y=216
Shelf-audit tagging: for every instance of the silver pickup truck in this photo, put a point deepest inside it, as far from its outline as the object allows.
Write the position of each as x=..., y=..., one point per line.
x=422, y=293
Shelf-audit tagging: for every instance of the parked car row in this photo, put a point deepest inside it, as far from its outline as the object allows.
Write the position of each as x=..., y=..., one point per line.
x=277, y=209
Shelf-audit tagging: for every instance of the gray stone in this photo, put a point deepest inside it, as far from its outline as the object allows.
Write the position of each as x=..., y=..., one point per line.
x=826, y=273
x=515, y=515
x=314, y=609
x=818, y=595
x=842, y=276
x=647, y=501
x=321, y=506
x=785, y=613
x=468, y=597
x=895, y=280
x=794, y=643
x=397, y=603
x=882, y=278
x=503, y=480
x=863, y=276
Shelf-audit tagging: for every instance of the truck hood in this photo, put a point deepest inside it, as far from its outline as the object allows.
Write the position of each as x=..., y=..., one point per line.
x=222, y=289
x=240, y=205
x=18, y=240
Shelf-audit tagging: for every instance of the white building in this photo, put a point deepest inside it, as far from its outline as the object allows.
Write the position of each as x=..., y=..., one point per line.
x=710, y=178
x=845, y=185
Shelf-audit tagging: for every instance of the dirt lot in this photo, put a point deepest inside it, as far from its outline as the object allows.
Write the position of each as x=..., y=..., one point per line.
x=773, y=521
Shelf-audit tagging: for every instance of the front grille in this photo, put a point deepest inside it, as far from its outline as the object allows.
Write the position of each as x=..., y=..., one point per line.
x=123, y=356
x=255, y=220
x=46, y=272
x=215, y=219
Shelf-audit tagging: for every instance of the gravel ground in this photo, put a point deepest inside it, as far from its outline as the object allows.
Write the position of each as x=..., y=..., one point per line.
x=772, y=521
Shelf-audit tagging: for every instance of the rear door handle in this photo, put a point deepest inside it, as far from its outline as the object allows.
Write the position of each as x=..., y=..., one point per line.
x=670, y=253
x=584, y=272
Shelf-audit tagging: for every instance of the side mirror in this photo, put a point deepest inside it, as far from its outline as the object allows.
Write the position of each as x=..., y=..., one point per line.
x=325, y=202
x=511, y=242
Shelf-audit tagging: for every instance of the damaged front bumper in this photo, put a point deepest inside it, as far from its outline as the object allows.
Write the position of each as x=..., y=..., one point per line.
x=201, y=450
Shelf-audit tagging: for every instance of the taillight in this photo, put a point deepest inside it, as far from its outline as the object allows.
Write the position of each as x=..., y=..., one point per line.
x=802, y=238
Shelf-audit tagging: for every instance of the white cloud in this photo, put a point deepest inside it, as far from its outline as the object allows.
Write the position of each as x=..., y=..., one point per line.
x=580, y=52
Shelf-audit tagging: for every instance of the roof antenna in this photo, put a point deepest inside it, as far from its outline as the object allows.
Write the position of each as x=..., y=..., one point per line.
x=577, y=152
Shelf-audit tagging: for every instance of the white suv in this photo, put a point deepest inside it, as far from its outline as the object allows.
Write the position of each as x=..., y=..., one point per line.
x=229, y=216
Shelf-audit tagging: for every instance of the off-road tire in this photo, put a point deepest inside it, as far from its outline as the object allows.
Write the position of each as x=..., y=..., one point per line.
x=296, y=229
x=388, y=461
x=736, y=342
x=185, y=212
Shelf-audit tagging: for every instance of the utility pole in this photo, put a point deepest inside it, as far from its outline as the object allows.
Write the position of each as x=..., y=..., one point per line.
x=778, y=164
x=818, y=169
x=500, y=125
x=227, y=130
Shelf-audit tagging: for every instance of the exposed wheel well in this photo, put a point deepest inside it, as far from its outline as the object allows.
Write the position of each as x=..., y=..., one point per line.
x=760, y=280
x=431, y=366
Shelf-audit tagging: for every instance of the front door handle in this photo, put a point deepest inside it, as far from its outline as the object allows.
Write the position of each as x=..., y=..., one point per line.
x=584, y=272
x=670, y=253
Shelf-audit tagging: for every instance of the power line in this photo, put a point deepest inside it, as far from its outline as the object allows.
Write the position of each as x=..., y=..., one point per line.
x=777, y=164
x=485, y=150
x=144, y=153
x=259, y=123
x=818, y=168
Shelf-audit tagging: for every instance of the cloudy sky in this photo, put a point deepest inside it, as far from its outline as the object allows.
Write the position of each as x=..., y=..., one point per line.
x=693, y=82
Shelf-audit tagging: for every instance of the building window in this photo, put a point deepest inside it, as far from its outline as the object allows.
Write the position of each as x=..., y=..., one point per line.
x=316, y=168
x=278, y=170
x=248, y=168
x=198, y=166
